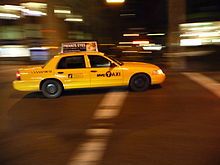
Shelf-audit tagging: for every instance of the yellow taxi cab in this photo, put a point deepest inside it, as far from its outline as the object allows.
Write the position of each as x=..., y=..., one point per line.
x=86, y=70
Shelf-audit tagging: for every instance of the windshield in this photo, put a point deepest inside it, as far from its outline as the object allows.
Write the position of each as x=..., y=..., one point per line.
x=116, y=61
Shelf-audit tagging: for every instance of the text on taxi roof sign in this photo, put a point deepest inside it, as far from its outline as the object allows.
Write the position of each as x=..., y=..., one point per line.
x=90, y=46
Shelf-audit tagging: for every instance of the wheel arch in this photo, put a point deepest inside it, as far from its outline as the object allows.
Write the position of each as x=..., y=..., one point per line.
x=42, y=82
x=140, y=73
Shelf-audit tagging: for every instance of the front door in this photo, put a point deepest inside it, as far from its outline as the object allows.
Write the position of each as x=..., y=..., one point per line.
x=102, y=73
x=73, y=72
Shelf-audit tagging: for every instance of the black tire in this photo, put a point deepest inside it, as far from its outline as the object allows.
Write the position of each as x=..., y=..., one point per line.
x=52, y=89
x=139, y=82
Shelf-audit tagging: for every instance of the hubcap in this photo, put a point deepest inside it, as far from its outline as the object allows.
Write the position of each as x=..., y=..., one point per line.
x=51, y=88
x=139, y=82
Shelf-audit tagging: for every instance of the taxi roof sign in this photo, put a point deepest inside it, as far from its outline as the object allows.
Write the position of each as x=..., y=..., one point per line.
x=89, y=46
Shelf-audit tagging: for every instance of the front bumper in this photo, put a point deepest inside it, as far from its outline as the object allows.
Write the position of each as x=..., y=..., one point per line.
x=158, y=79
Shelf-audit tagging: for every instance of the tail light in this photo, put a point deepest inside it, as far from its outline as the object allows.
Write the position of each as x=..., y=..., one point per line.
x=18, y=75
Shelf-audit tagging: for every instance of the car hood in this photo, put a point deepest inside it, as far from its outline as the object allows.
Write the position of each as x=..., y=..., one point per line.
x=139, y=65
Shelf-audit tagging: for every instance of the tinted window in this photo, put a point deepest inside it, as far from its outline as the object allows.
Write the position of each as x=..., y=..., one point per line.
x=99, y=61
x=71, y=62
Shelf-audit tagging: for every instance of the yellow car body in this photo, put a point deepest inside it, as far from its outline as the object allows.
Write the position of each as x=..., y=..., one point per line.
x=85, y=72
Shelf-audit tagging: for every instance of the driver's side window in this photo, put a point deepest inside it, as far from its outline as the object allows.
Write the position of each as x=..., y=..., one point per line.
x=98, y=61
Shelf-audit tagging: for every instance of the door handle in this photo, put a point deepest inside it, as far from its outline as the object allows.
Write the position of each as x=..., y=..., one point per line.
x=93, y=70
x=60, y=72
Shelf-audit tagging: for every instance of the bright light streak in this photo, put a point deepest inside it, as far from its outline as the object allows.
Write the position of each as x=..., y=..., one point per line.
x=211, y=34
x=115, y=1
x=155, y=47
x=34, y=5
x=190, y=42
x=38, y=48
x=62, y=11
x=189, y=35
x=13, y=7
x=200, y=33
x=207, y=34
x=13, y=46
x=207, y=41
x=216, y=40
x=14, y=51
x=144, y=52
x=204, y=28
x=196, y=24
x=125, y=43
x=131, y=35
x=129, y=51
x=156, y=34
x=140, y=42
x=9, y=16
x=32, y=13
x=73, y=19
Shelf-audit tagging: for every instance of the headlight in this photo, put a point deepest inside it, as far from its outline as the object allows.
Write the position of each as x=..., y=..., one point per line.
x=157, y=72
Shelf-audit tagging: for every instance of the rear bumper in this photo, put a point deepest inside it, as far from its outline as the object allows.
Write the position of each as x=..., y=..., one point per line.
x=158, y=79
x=30, y=85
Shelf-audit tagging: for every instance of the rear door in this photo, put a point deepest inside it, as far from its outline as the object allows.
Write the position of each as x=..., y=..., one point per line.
x=73, y=72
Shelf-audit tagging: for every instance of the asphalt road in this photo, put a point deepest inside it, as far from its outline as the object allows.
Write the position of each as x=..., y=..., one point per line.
x=175, y=124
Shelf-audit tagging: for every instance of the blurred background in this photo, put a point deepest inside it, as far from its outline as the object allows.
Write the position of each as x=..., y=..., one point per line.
x=175, y=33
x=113, y=126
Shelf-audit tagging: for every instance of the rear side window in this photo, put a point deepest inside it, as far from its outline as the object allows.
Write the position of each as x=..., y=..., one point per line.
x=98, y=61
x=71, y=62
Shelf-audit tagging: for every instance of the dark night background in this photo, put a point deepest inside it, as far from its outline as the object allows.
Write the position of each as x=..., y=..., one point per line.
x=175, y=123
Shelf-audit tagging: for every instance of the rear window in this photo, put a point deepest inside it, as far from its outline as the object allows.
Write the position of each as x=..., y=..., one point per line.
x=71, y=62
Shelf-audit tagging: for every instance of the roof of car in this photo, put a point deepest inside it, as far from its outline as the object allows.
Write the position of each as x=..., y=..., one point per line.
x=80, y=53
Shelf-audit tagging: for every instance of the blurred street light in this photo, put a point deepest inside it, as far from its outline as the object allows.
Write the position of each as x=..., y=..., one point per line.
x=115, y=1
x=73, y=19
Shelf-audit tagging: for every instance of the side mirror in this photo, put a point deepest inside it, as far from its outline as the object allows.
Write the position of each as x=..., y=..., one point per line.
x=113, y=65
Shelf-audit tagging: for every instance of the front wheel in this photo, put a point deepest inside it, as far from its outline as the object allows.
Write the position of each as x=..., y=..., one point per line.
x=52, y=89
x=139, y=82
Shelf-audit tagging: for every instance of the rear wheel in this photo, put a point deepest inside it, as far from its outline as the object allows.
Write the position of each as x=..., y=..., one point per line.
x=139, y=82
x=52, y=89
